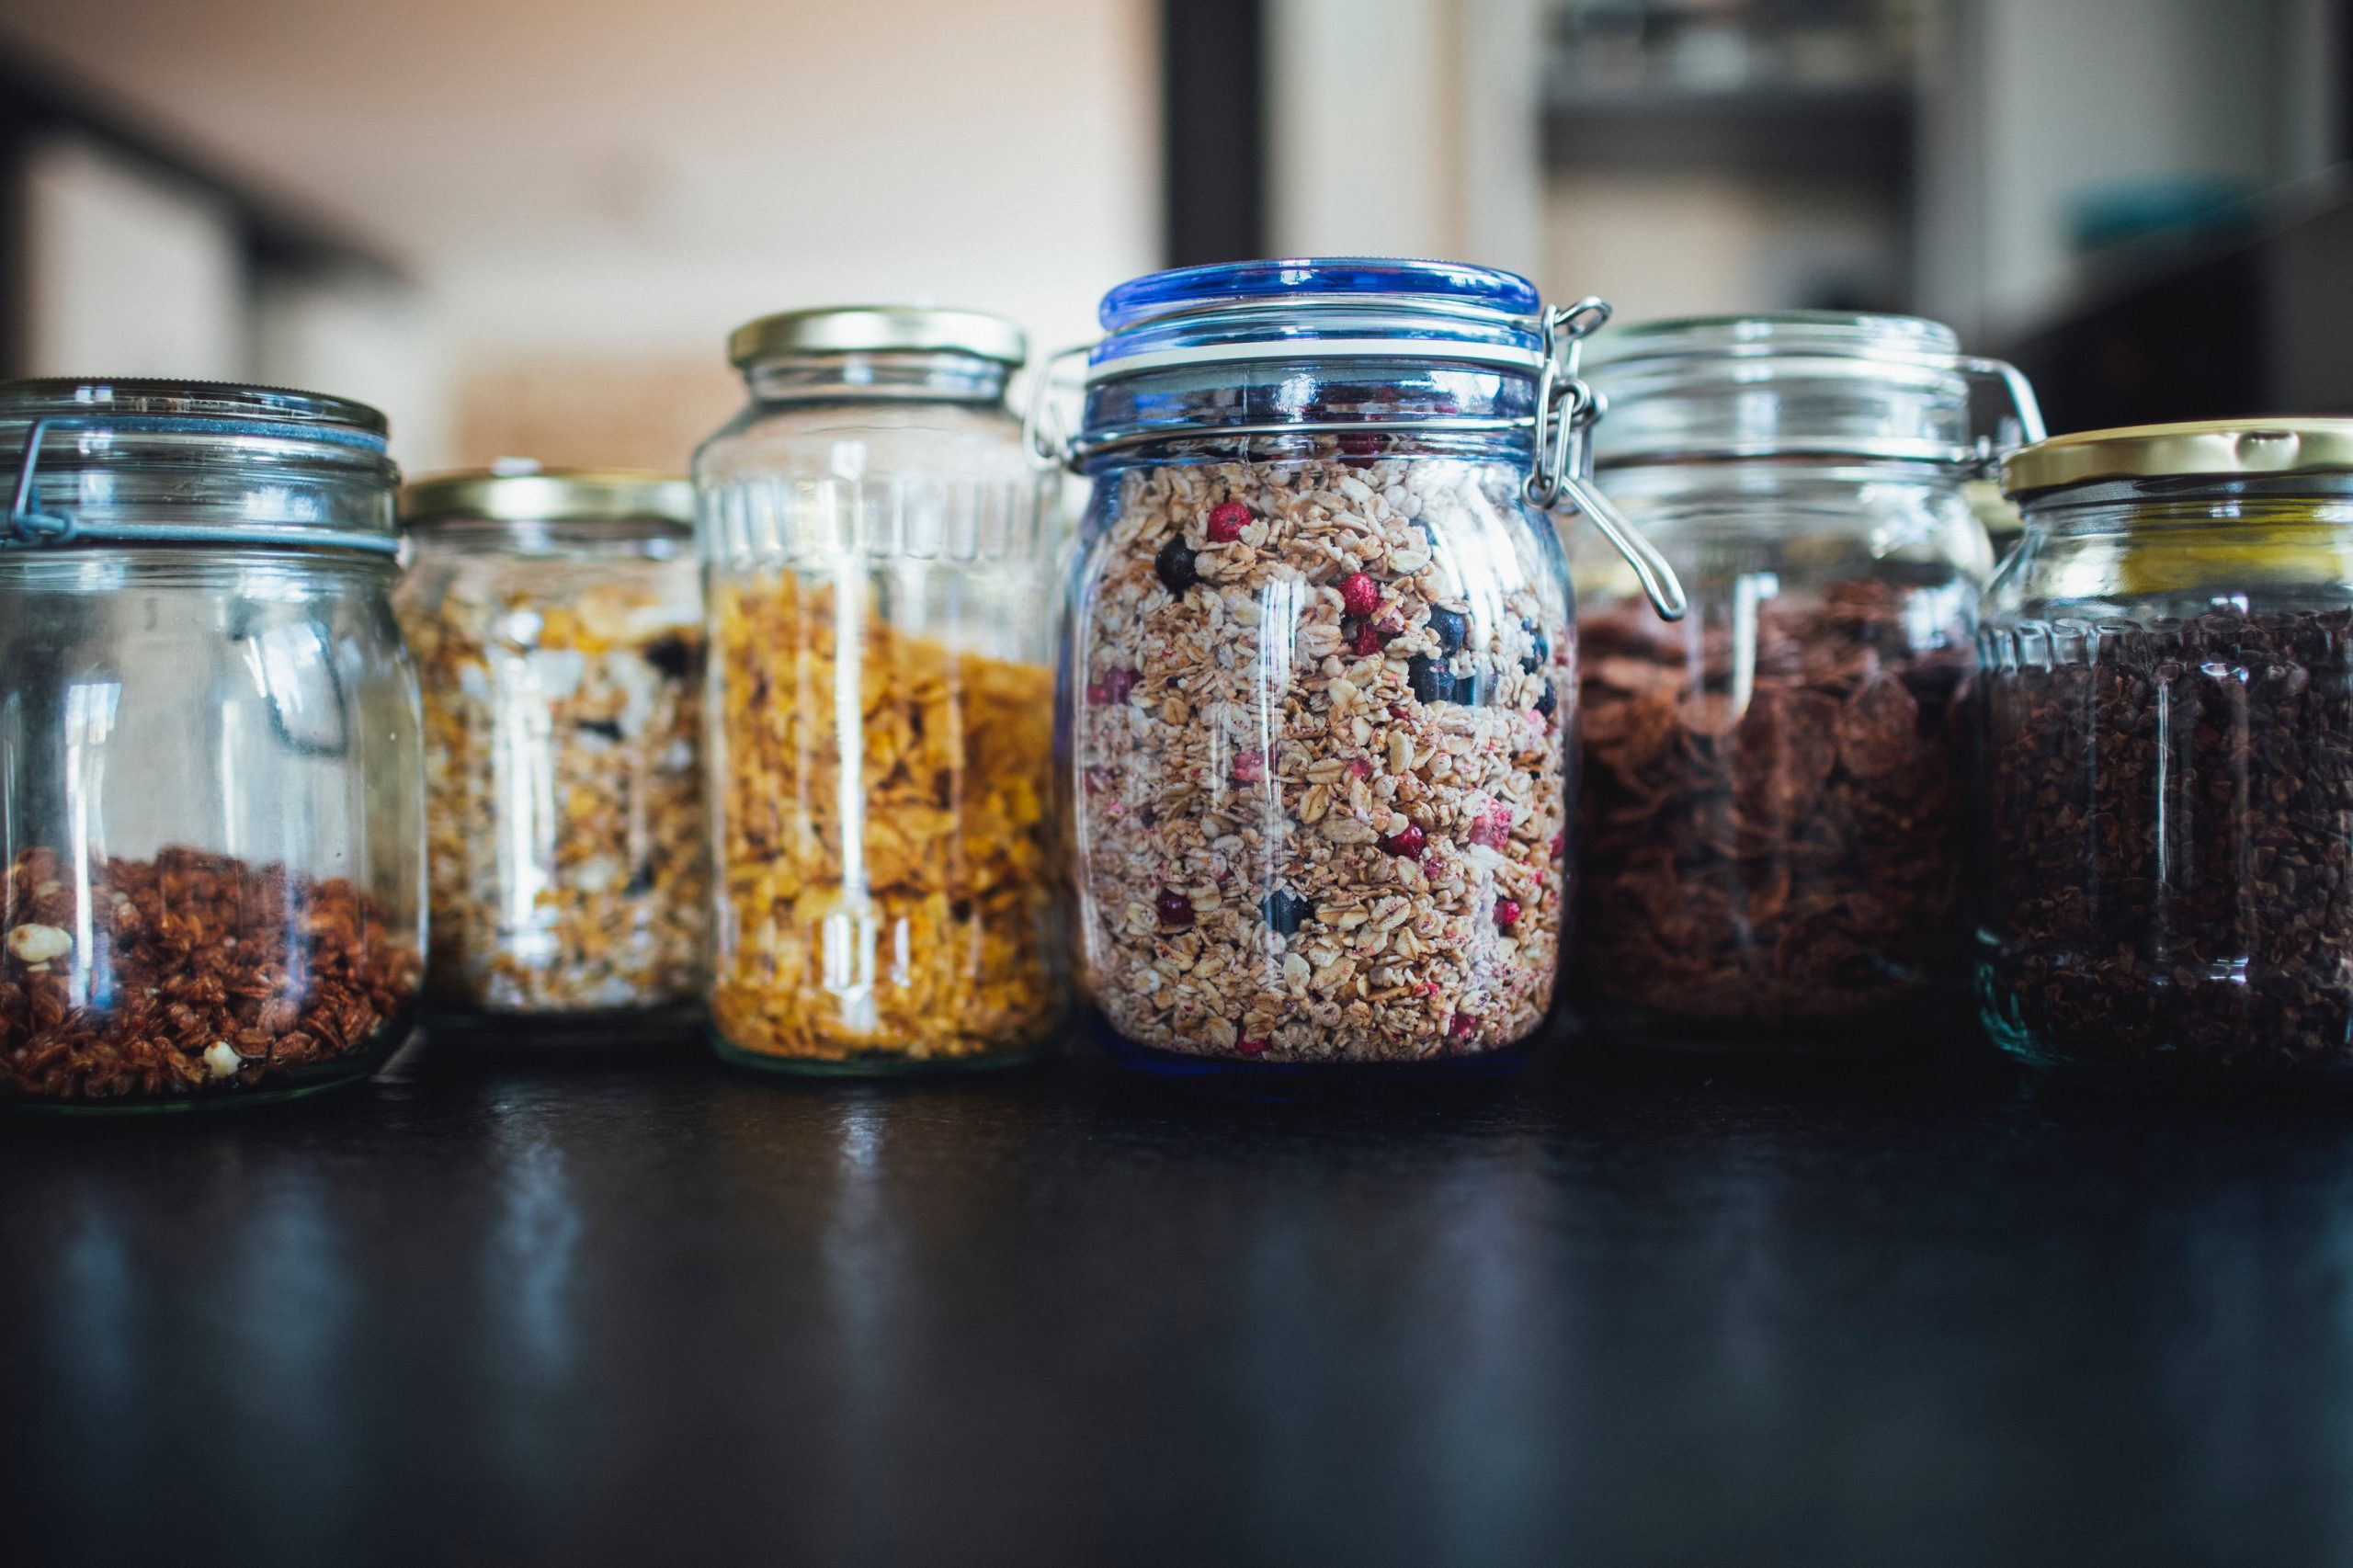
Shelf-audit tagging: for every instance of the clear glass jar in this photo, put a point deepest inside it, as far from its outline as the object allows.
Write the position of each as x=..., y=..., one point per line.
x=881, y=561
x=1323, y=672
x=2168, y=769
x=556, y=622
x=211, y=793
x=1774, y=825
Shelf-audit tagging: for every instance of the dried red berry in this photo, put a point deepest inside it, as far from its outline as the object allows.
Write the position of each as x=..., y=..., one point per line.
x=1365, y=643
x=1113, y=689
x=1359, y=767
x=1462, y=1026
x=1227, y=522
x=1506, y=914
x=1249, y=767
x=1492, y=826
x=1173, y=907
x=1249, y=1047
x=1560, y=845
x=1406, y=840
x=1359, y=595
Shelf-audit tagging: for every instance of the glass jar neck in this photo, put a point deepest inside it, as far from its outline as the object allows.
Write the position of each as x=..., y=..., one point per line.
x=2154, y=506
x=629, y=538
x=880, y=377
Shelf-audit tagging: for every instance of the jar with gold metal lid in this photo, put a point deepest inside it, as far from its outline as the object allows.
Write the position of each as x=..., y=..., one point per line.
x=881, y=561
x=556, y=619
x=2168, y=761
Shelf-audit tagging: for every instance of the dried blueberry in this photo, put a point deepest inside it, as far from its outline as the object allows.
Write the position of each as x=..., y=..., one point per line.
x=1450, y=627
x=1467, y=689
x=1173, y=907
x=1429, y=679
x=1286, y=911
x=1175, y=565
x=609, y=729
x=1537, y=654
x=1546, y=702
x=677, y=658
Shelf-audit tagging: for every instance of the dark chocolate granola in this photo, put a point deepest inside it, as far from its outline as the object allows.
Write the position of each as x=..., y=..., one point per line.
x=1787, y=861
x=2170, y=854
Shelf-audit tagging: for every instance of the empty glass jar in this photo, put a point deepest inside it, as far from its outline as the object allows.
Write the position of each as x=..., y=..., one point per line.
x=2169, y=673
x=211, y=794
x=881, y=558
x=556, y=622
x=1322, y=682
x=1775, y=813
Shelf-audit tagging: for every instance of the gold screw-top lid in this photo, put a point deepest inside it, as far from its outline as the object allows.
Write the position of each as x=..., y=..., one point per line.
x=878, y=329
x=2221, y=448
x=516, y=490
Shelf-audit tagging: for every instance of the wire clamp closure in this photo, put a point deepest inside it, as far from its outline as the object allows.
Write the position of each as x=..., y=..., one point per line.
x=30, y=528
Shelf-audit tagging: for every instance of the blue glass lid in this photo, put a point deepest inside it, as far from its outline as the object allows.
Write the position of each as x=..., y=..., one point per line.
x=1322, y=306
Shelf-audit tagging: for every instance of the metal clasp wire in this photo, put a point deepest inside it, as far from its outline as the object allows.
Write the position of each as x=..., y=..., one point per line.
x=1561, y=466
x=2024, y=426
x=1042, y=436
x=28, y=527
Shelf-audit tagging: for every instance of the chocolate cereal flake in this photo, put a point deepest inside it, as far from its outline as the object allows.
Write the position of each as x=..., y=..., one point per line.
x=1790, y=861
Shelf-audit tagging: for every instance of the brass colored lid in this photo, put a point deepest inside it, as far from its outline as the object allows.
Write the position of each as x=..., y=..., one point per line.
x=2216, y=447
x=520, y=491
x=879, y=329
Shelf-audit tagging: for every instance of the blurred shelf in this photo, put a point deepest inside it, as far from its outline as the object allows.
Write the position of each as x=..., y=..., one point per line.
x=1863, y=133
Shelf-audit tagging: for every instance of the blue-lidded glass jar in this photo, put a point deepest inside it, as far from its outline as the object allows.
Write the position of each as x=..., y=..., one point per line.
x=1320, y=690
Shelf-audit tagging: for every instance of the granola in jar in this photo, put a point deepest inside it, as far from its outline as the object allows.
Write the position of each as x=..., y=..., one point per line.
x=189, y=975
x=556, y=622
x=213, y=848
x=2167, y=770
x=887, y=886
x=1319, y=756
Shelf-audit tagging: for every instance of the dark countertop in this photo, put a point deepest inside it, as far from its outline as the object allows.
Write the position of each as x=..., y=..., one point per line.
x=645, y=1309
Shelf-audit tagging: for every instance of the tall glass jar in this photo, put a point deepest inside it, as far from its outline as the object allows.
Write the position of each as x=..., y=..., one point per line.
x=556, y=622
x=212, y=796
x=881, y=563
x=1776, y=819
x=1321, y=681
x=2168, y=671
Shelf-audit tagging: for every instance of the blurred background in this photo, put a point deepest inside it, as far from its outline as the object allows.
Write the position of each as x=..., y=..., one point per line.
x=525, y=226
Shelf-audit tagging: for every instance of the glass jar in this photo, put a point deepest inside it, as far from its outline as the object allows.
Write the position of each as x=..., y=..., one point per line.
x=2168, y=786
x=881, y=563
x=212, y=796
x=1322, y=679
x=556, y=622
x=1774, y=823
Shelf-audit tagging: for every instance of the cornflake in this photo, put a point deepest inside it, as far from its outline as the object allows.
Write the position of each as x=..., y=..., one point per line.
x=884, y=887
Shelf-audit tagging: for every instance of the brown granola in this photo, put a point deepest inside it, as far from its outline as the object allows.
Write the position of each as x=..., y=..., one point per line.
x=567, y=839
x=189, y=974
x=884, y=890
x=1320, y=748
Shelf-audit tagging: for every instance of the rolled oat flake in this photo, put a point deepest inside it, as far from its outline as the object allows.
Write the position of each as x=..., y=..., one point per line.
x=1321, y=681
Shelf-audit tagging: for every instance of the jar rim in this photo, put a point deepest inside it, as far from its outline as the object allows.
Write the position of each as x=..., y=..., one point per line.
x=96, y=397
x=516, y=494
x=1844, y=334
x=2222, y=450
x=1307, y=308
x=833, y=330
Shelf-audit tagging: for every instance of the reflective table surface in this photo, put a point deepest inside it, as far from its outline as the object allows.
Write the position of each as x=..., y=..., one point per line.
x=640, y=1308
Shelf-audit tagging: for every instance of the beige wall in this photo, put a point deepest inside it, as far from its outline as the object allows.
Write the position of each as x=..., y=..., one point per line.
x=613, y=183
